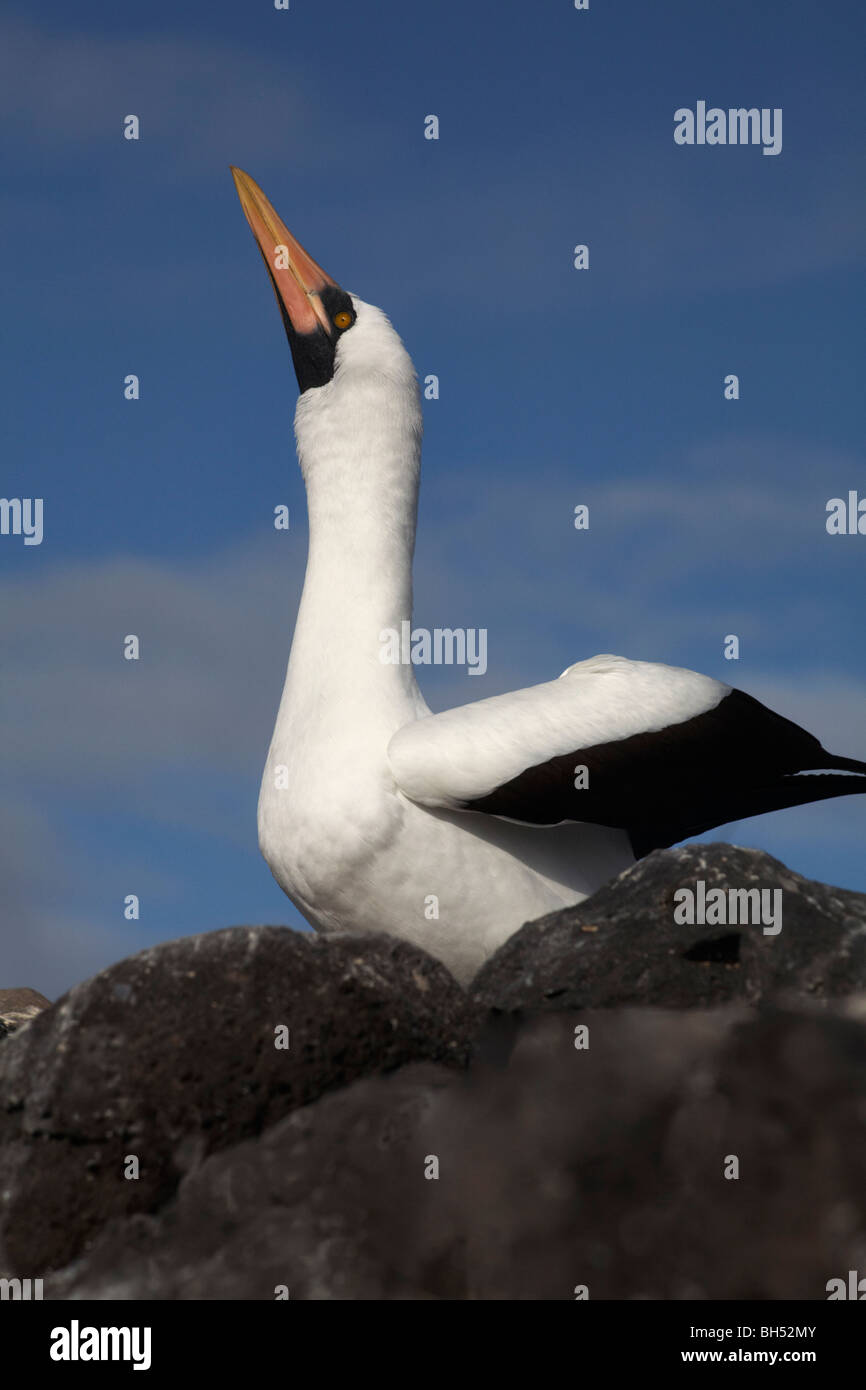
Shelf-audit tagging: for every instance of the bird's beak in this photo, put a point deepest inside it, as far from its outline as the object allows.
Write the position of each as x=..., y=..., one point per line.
x=296, y=278
x=298, y=285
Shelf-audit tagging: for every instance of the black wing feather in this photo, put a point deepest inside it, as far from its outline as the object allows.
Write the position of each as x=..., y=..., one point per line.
x=737, y=760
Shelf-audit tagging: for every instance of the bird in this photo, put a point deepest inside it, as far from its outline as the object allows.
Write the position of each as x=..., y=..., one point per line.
x=451, y=830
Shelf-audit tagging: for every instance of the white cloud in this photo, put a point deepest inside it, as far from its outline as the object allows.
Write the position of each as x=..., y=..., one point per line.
x=45, y=943
x=202, y=100
x=214, y=640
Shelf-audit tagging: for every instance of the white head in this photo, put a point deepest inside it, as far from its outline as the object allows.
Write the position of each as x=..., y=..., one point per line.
x=359, y=406
x=364, y=424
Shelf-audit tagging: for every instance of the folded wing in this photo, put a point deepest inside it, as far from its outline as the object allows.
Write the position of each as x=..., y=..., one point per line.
x=658, y=751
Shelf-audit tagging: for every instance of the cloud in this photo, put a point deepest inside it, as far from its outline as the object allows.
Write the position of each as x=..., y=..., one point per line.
x=727, y=537
x=44, y=942
x=134, y=776
x=199, y=100
x=658, y=221
x=214, y=640
x=666, y=223
x=656, y=226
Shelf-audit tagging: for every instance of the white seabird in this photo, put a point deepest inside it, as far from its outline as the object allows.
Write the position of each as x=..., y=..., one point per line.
x=451, y=830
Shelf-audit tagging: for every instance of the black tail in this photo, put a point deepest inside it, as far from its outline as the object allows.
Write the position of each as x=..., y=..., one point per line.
x=843, y=764
x=740, y=803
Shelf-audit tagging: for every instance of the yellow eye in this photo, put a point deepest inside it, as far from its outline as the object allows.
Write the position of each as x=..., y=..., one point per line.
x=343, y=319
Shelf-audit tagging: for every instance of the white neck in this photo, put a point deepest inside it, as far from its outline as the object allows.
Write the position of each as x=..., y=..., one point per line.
x=359, y=444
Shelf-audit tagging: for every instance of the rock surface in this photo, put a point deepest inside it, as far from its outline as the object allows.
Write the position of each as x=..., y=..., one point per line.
x=169, y=1055
x=19, y=1006
x=603, y=1167
x=558, y=1165
x=622, y=945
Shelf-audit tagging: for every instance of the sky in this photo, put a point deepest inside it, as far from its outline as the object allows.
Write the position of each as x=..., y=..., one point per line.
x=558, y=387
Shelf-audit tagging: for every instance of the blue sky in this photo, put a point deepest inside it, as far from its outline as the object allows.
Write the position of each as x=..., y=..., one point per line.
x=557, y=387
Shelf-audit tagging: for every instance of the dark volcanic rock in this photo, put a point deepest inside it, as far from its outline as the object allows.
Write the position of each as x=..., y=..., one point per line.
x=622, y=945
x=310, y=1205
x=603, y=1167
x=558, y=1165
x=170, y=1056
x=18, y=1006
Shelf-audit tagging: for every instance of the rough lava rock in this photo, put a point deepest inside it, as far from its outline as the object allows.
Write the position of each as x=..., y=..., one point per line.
x=603, y=1168
x=560, y=1164
x=18, y=1006
x=169, y=1056
x=622, y=945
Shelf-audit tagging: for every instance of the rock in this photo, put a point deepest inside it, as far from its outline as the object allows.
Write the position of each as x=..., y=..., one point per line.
x=18, y=1006
x=309, y=1205
x=603, y=1167
x=169, y=1056
x=608, y=1166
x=622, y=945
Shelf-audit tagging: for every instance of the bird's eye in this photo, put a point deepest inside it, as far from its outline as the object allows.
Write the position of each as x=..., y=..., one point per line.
x=343, y=319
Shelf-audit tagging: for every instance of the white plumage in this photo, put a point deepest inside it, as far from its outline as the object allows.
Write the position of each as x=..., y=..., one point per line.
x=466, y=753
x=341, y=834
x=451, y=830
